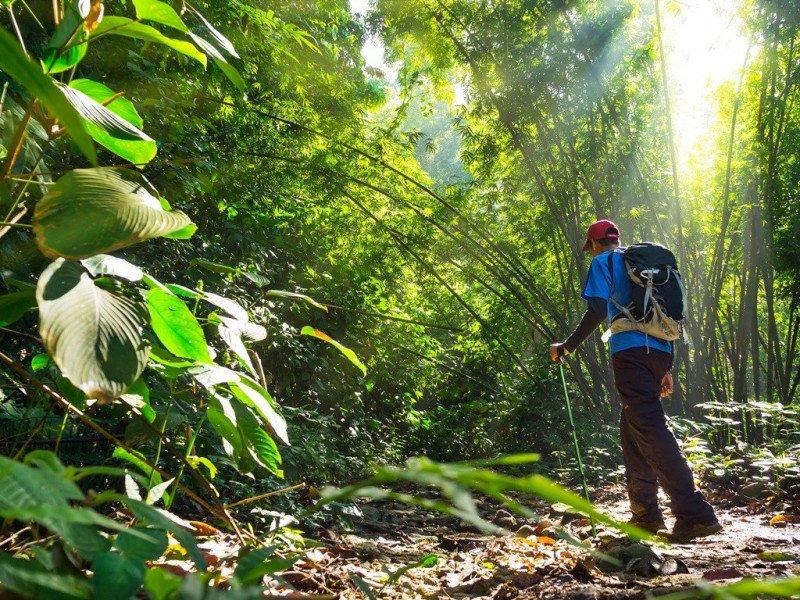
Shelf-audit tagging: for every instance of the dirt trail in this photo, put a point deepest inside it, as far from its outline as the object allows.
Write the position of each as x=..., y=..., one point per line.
x=531, y=564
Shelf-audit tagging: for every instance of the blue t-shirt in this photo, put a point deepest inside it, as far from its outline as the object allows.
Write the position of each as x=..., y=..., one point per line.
x=602, y=284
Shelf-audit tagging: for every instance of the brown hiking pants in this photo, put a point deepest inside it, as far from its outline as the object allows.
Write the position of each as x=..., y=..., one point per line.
x=649, y=448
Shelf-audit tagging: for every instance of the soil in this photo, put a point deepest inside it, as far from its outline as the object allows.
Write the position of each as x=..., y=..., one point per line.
x=759, y=540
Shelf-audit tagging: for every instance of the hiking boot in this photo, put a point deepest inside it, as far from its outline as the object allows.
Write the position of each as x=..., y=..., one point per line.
x=650, y=525
x=685, y=532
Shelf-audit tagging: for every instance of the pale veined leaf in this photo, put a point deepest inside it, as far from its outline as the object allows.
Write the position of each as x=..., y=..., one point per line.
x=94, y=211
x=176, y=326
x=93, y=334
x=159, y=12
x=110, y=130
x=126, y=27
x=349, y=354
x=231, y=334
x=231, y=307
x=252, y=394
x=227, y=69
x=105, y=264
x=16, y=304
x=114, y=102
x=28, y=74
x=295, y=296
x=212, y=375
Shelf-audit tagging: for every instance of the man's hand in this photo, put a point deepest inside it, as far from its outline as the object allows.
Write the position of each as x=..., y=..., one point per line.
x=557, y=351
x=667, y=385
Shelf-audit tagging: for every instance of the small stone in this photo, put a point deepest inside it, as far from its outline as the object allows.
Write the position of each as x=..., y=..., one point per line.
x=501, y=514
x=526, y=531
x=507, y=523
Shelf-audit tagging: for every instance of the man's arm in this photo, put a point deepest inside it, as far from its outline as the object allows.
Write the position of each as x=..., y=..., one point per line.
x=594, y=315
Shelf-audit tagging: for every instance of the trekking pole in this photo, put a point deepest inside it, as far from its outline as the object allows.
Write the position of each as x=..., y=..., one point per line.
x=575, y=439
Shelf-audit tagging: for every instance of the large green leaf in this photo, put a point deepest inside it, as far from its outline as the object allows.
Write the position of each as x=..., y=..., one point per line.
x=16, y=304
x=222, y=417
x=176, y=326
x=347, y=352
x=29, y=75
x=25, y=486
x=162, y=519
x=92, y=211
x=116, y=577
x=67, y=46
x=93, y=334
x=133, y=29
x=31, y=580
x=108, y=128
x=161, y=584
x=159, y=12
x=148, y=544
x=252, y=394
x=260, y=444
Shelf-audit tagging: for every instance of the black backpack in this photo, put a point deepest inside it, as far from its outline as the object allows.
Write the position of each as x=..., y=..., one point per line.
x=658, y=297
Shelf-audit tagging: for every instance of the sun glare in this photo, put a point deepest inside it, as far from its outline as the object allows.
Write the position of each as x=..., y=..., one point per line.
x=706, y=46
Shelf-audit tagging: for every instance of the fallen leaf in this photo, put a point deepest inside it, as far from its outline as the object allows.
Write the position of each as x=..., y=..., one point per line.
x=778, y=520
x=546, y=540
x=204, y=528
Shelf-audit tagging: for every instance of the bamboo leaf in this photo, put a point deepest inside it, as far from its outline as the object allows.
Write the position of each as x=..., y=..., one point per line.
x=296, y=296
x=349, y=354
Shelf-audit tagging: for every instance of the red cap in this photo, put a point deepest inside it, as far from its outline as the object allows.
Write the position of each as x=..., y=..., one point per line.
x=600, y=230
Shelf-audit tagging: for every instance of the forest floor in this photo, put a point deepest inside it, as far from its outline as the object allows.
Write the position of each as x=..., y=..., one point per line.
x=759, y=539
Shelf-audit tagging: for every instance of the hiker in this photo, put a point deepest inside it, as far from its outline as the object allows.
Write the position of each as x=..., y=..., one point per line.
x=641, y=364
